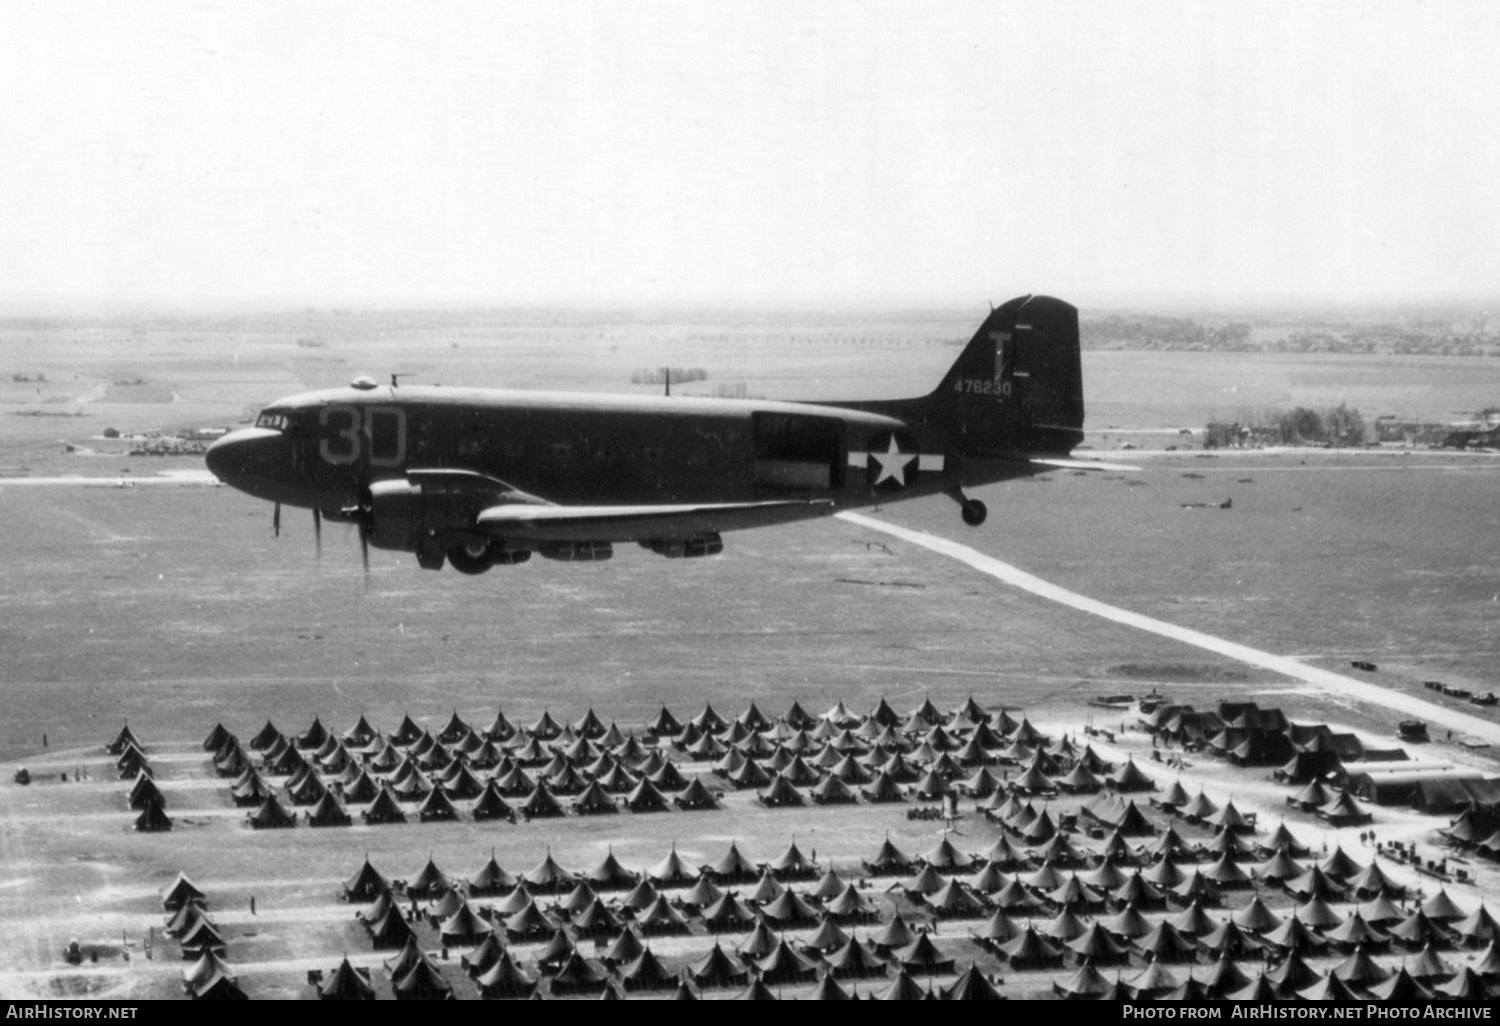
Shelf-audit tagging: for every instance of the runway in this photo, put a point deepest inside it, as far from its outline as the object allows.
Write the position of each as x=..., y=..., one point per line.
x=1359, y=690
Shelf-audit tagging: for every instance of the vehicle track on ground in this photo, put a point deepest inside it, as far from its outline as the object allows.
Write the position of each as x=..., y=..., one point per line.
x=1326, y=680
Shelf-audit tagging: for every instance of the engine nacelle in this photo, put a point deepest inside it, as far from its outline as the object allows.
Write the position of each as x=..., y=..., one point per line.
x=405, y=514
x=577, y=552
x=686, y=548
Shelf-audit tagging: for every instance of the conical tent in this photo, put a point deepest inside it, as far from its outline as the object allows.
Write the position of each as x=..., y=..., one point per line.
x=1153, y=983
x=716, y=969
x=894, y=934
x=664, y=724
x=701, y=895
x=1030, y=951
x=530, y=924
x=1360, y=970
x=673, y=869
x=1165, y=944
x=272, y=816
x=436, y=806
x=505, y=979
x=1478, y=927
x=491, y=805
x=422, y=982
x=1441, y=909
x=153, y=819
x=789, y=910
x=1130, y=778
x=202, y=937
x=625, y=948
x=1096, y=945
x=727, y=914
x=391, y=930
x=384, y=809
x=827, y=938
x=855, y=961
x=430, y=882
x=479, y=961
x=540, y=804
x=647, y=972
x=695, y=797
x=660, y=917
x=464, y=928
x=597, y=921
x=145, y=792
x=946, y=858
x=202, y=972
x=594, y=801
x=1356, y=930
x=828, y=989
x=610, y=874
x=734, y=867
x=181, y=891
x=784, y=964
x=1085, y=982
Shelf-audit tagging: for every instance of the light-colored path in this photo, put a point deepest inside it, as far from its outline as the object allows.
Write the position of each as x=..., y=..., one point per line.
x=1362, y=691
x=181, y=478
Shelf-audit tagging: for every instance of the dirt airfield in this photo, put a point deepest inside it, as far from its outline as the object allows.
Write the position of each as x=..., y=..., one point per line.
x=174, y=608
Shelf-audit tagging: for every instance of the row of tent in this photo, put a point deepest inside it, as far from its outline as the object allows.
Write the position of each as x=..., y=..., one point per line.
x=209, y=978
x=665, y=725
x=1358, y=978
x=535, y=746
x=144, y=797
x=496, y=975
x=595, y=785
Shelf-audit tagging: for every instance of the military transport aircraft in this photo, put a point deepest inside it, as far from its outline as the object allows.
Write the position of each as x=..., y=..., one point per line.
x=480, y=477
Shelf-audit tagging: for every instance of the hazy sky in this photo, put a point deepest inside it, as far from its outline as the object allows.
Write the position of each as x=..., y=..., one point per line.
x=747, y=152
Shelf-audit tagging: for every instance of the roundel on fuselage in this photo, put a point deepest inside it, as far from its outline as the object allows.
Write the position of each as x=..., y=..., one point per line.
x=891, y=461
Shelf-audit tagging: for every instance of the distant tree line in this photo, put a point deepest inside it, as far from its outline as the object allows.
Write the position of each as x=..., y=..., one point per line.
x=1341, y=427
x=658, y=375
x=1149, y=332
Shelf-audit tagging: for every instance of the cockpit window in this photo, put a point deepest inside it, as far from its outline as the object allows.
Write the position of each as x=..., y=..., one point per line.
x=278, y=421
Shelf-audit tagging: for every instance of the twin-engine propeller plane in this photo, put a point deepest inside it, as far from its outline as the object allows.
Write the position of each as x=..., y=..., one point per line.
x=480, y=477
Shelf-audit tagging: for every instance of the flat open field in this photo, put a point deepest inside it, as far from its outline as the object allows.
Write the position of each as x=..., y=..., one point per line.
x=175, y=608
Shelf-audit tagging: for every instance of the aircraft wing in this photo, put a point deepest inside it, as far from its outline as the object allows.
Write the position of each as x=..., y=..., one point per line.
x=641, y=523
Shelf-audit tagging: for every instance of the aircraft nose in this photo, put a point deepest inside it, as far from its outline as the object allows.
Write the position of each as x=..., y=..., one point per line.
x=244, y=457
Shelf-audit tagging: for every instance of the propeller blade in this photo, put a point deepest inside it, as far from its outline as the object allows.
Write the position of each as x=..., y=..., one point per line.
x=276, y=521
x=364, y=550
x=318, y=531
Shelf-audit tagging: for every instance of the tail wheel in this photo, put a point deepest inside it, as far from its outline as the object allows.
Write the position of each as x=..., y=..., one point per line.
x=974, y=512
x=472, y=557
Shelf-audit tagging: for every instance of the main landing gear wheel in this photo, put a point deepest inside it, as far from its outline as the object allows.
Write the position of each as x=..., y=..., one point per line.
x=974, y=512
x=471, y=557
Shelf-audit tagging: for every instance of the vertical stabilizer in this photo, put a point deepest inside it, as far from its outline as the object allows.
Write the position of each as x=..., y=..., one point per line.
x=1018, y=385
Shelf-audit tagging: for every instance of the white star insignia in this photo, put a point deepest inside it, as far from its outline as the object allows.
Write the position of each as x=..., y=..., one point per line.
x=893, y=463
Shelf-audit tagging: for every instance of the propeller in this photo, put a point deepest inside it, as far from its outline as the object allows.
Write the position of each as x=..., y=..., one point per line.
x=363, y=516
x=276, y=522
x=364, y=547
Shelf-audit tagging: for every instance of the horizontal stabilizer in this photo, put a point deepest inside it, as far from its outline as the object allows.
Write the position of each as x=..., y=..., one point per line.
x=1077, y=464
